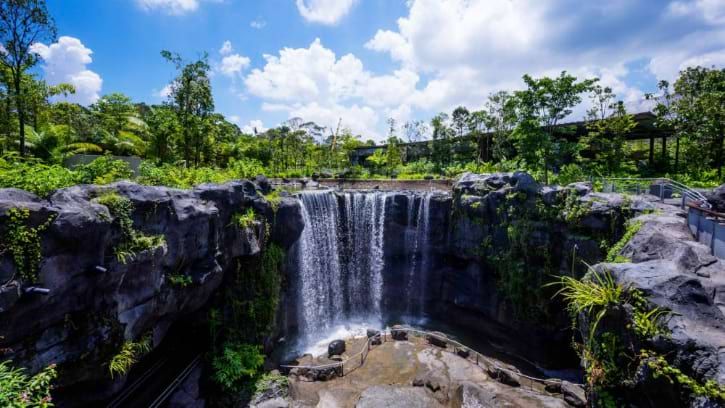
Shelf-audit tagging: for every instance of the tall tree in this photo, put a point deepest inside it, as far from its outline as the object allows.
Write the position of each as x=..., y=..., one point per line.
x=541, y=107
x=700, y=107
x=22, y=24
x=501, y=113
x=192, y=100
x=608, y=125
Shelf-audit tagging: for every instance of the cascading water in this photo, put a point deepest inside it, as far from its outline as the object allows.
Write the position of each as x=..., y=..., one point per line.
x=340, y=259
x=418, y=249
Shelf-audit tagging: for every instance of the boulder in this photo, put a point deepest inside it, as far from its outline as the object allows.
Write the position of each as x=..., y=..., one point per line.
x=504, y=376
x=262, y=182
x=375, y=337
x=574, y=395
x=580, y=188
x=437, y=339
x=398, y=332
x=336, y=348
x=717, y=199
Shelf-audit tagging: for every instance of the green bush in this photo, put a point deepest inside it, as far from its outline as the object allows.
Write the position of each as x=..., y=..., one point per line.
x=19, y=390
x=236, y=365
x=103, y=170
x=35, y=177
x=23, y=243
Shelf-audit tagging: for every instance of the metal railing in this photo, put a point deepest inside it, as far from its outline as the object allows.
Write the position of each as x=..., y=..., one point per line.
x=663, y=188
x=358, y=359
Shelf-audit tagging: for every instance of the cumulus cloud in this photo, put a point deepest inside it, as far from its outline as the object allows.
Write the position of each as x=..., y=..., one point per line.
x=66, y=62
x=469, y=48
x=173, y=7
x=233, y=65
x=163, y=92
x=313, y=83
x=253, y=127
x=328, y=12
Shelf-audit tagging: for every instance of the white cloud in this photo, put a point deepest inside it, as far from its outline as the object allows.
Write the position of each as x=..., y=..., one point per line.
x=173, y=7
x=66, y=62
x=163, y=92
x=712, y=11
x=226, y=48
x=328, y=12
x=313, y=83
x=233, y=65
x=253, y=127
x=258, y=24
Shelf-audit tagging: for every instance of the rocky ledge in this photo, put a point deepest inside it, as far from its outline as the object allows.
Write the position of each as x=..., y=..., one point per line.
x=94, y=301
x=415, y=372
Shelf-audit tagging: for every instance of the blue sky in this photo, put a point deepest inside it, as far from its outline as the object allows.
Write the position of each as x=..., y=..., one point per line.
x=363, y=61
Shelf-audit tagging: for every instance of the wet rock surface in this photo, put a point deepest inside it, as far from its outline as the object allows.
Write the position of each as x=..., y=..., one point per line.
x=413, y=373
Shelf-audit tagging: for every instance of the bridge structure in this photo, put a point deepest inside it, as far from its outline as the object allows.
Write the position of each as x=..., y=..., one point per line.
x=644, y=129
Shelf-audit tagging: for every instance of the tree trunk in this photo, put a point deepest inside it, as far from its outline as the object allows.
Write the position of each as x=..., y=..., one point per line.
x=21, y=114
x=677, y=155
x=651, y=151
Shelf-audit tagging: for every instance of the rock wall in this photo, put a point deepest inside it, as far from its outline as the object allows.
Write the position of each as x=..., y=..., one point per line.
x=95, y=302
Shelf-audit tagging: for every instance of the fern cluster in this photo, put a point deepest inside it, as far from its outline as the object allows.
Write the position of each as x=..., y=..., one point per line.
x=129, y=355
x=20, y=390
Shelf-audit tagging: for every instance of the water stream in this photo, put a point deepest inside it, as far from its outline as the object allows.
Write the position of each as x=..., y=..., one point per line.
x=340, y=261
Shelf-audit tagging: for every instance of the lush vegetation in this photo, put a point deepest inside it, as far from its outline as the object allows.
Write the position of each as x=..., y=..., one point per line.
x=616, y=327
x=19, y=390
x=184, y=142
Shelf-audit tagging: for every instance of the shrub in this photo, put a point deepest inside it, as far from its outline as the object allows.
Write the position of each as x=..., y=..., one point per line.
x=245, y=220
x=103, y=170
x=18, y=390
x=236, y=365
x=34, y=177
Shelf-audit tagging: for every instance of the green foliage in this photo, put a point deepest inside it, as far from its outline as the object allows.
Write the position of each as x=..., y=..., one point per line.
x=179, y=280
x=19, y=390
x=129, y=355
x=269, y=382
x=245, y=220
x=38, y=178
x=23, y=242
x=103, y=170
x=132, y=240
x=574, y=209
x=591, y=297
x=613, y=254
x=663, y=369
x=236, y=365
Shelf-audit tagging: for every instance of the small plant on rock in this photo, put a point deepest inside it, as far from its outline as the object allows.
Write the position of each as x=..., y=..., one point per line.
x=23, y=243
x=132, y=240
x=19, y=390
x=129, y=355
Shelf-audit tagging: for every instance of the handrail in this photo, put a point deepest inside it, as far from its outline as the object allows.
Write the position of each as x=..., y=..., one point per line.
x=664, y=182
x=385, y=333
x=707, y=211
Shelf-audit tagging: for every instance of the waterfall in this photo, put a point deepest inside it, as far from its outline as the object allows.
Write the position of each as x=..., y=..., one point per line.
x=418, y=249
x=340, y=259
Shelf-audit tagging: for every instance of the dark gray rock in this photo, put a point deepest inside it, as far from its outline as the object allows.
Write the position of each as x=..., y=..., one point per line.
x=580, y=188
x=717, y=199
x=437, y=339
x=336, y=348
x=503, y=376
x=127, y=300
x=398, y=333
x=265, y=187
x=573, y=394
